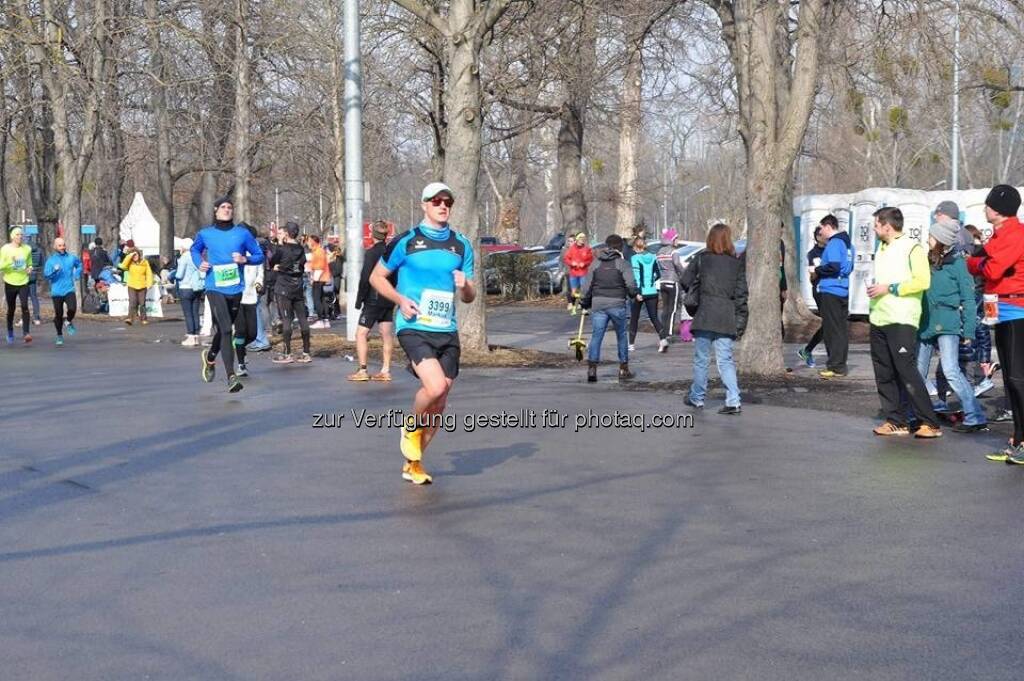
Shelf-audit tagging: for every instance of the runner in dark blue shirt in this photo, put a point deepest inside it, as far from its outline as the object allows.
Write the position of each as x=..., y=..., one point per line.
x=220, y=251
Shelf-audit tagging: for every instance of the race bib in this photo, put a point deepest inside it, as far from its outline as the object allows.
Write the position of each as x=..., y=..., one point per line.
x=226, y=275
x=437, y=308
x=19, y=264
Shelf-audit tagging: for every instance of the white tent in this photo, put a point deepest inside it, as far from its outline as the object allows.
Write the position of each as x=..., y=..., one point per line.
x=141, y=227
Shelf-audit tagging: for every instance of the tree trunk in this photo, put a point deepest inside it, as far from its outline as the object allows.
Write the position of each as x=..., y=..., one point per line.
x=72, y=159
x=40, y=162
x=571, y=198
x=338, y=135
x=628, y=200
x=580, y=54
x=158, y=104
x=243, y=115
x=773, y=121
x=462, y=155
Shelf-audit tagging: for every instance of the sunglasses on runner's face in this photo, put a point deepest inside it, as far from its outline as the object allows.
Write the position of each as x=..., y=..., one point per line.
x=437, y=201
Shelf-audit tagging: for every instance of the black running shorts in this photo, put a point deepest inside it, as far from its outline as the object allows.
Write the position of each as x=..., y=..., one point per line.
x=372, y=314
x=421, y=345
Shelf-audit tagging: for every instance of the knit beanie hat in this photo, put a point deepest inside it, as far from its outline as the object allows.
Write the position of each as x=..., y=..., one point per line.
x=1004, y=200
x=949, y=209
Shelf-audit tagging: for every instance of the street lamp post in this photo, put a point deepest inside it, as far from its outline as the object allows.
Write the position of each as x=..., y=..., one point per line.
x=353, y=163
x=955, y=170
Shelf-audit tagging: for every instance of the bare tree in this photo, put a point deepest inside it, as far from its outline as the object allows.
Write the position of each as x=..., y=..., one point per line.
x=776, y=70
x=464, y=31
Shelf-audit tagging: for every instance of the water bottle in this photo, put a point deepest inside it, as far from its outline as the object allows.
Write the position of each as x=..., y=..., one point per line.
x=990, y=306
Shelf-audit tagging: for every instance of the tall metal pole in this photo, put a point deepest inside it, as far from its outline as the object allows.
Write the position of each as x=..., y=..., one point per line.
x=353, y=106
x=954, y=184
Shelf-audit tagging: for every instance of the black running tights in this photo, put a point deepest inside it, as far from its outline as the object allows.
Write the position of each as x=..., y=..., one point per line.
x=294, y=307
x=1010, y=345
x=651, y=304
x=59, y=302
x=224, y=309
x=12, y=294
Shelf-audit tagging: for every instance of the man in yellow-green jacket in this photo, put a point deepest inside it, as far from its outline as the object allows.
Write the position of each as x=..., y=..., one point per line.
x=16, y=265
x=901, y=277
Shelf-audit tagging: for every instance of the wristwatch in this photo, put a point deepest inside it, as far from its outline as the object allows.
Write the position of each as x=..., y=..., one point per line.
x=894, y=289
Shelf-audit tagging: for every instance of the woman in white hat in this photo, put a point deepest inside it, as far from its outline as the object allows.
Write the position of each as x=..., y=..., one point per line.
x=191, y=286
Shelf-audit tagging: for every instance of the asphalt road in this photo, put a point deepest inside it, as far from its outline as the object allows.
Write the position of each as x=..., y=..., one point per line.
x=154, y=527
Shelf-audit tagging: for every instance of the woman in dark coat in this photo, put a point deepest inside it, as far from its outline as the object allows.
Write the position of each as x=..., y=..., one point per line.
x=717, y=279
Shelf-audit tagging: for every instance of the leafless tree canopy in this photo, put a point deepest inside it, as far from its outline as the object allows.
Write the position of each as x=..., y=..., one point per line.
x=574, y=115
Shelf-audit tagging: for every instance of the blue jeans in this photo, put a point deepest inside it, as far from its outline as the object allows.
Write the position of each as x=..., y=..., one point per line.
x=599, y=323
x=949, y=355
x=308, y=291
x=191, y=304
x=33, y=295
x=261, y=322
x=703, y=341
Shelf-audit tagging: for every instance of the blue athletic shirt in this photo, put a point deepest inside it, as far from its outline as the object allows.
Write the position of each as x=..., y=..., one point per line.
x=425, y=260
x=225, y=276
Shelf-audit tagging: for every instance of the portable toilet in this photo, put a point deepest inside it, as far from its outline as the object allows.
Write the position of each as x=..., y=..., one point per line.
x=811, y=209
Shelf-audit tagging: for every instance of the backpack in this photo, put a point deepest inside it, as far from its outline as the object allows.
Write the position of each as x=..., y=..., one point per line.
x=90, y=303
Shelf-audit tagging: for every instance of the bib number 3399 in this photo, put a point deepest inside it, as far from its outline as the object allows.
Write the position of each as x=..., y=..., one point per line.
x=437, y=308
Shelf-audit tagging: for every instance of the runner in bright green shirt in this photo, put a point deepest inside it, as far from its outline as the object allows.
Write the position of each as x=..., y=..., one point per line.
x=16, y=264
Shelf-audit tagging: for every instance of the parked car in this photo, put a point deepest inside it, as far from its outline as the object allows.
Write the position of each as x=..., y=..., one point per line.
x=550, y=271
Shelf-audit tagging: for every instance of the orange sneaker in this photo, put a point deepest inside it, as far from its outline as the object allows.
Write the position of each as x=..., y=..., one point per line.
x=381, y=376
x=889, y=428
x=360, y=375
x=926, y=432
x=414, y=473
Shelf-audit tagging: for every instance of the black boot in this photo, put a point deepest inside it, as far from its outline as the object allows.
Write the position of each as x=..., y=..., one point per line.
x=624, y=373
x=591, y=372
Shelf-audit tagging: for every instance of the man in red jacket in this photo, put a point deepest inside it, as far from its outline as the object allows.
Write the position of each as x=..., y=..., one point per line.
x=1001, y=264
x=577, y=258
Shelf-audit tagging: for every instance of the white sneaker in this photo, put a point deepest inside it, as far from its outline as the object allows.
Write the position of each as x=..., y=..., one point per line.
x=663, y=345
x=632, y=348
x=187, y=342
x=983, y=387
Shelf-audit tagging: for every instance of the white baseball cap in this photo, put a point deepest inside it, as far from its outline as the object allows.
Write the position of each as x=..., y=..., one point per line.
x=435, y=188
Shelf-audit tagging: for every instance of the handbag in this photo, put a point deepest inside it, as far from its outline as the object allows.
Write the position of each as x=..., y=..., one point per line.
x=691, y=301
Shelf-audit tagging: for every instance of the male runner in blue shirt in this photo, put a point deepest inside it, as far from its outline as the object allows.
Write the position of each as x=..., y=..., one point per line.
x=434, y=263
x=227, y=248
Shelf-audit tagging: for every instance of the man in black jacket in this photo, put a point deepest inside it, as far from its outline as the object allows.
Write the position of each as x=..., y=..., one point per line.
x=606, y=290
x=375, y=308
x=98, y=260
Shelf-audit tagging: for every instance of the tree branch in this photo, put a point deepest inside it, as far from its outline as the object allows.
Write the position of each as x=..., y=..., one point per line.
x=427, y=15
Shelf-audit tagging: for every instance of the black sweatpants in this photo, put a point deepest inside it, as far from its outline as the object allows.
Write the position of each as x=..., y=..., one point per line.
x=224, y=308
x=819, y=334
x=12, y=294
x=318, y=301
x=294, y=307
x=59, y=302
x=669, y=303
x=834, y=313
x=651, y=303
x=894, y=356
x=1010, y=345
x=245, y=329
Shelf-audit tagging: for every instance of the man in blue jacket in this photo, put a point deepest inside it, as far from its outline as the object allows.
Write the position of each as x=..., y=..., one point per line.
x=227, y=248
x=833, y=275
x=63, y=269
